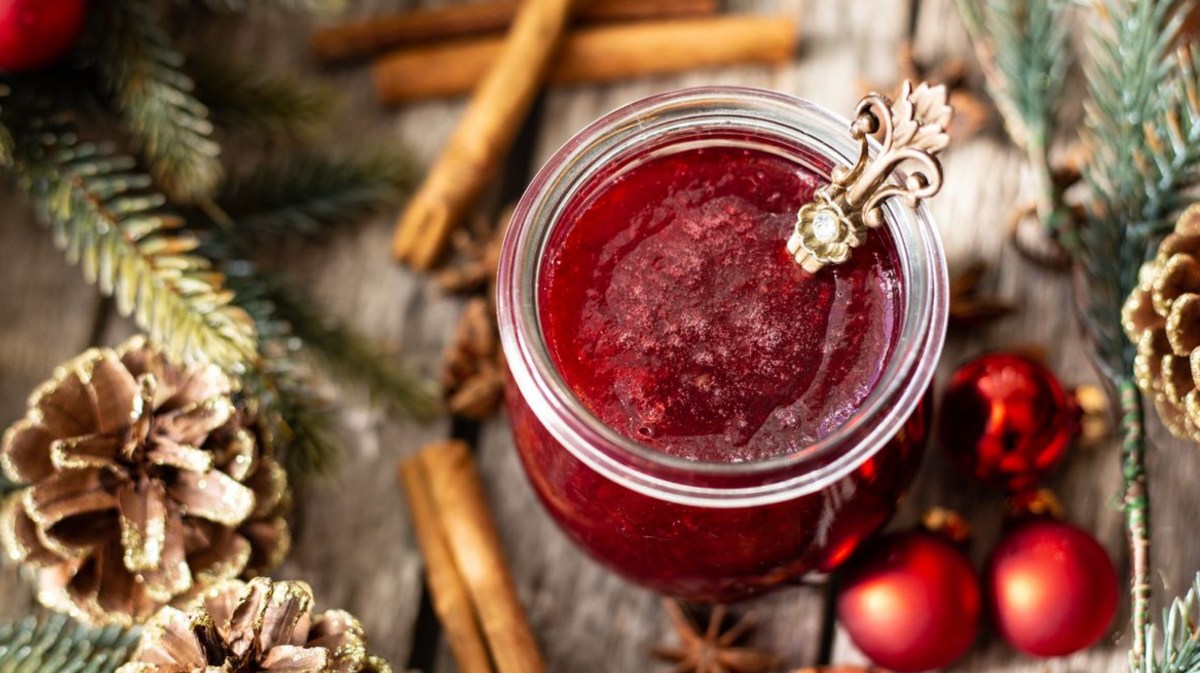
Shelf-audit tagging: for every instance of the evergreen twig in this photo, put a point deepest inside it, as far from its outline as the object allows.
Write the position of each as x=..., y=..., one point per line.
x=1143, y=130
x=308, y=193
x=58, y=645
x=105, y=215
x=1023, y=48
x=1180, y=652
x=299, y=422
x=241, y=99
x=348, y=353
x=144, y=74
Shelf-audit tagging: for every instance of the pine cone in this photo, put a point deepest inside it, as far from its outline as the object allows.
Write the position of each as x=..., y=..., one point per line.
x=1162, y=317
x=262, y=625
x=145, y=484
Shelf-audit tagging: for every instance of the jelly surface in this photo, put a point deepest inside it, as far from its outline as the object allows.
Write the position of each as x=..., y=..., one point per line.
x=674, y=312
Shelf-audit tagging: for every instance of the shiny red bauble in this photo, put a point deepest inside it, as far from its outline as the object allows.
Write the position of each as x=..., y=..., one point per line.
x=1051, y=587
x=35, y=33
x=910, y=602
x=1006, y=420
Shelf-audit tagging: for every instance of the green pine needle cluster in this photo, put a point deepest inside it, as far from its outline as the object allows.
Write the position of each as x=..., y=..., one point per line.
x=145, y=76
x=1180, y=650
x=1023, y=44
x=1143, y=131
x=172, y=238
x=248, y=101
x=308, y=193
x=1023, y=48
x=347, y=352
x=107, y=217
x=58, y=645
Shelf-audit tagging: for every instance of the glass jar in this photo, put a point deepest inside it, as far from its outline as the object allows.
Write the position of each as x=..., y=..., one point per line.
x=715, y=531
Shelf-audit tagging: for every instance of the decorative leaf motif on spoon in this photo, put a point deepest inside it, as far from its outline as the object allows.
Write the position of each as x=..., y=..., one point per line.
x=913, y=131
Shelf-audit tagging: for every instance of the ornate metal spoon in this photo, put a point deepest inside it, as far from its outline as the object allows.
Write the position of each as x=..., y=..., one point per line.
x=913, y=130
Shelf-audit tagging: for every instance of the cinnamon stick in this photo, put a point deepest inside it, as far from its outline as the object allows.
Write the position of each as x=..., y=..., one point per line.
x=366, y=37
x=462, y=512
x=484, y=133
x=593, y=55
x=447, y=589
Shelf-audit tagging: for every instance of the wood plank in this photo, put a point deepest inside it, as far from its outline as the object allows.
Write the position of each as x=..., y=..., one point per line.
x=49, y=314
x=585, y=618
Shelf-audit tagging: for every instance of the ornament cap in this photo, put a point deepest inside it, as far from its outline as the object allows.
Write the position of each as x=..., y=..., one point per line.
x=1039, y=504
x=1092, y=406
x=949, y=524
x=913, y=132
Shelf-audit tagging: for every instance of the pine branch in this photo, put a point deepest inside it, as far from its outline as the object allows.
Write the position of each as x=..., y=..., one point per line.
x=315, y=7
x=298, y=421
x=1140, y=121
x=348, y=353
x=105, y=215
x=1023, y=48
x=1143, y=128
x=284, y=316
x=144, y=74
x=1022, y=45
x=1180, y=651
x=307, y=194
x=245, y=100
x=58, y=645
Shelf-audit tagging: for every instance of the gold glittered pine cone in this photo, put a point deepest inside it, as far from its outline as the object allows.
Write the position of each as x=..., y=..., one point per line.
x=144, y=484
x=1162, y=317
x=247, y=627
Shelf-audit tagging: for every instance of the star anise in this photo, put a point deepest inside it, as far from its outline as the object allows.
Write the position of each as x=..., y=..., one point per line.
x=473, y=367
x=712, y=651
x=478, y=257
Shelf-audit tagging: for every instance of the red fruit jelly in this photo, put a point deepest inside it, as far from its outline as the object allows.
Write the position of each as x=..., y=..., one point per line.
x=694, y=410
x=672, y=309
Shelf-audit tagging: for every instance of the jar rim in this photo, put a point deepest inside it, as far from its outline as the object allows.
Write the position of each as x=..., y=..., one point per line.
x=704, y=483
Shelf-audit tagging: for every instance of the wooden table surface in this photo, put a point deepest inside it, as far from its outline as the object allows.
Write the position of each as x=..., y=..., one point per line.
x=354, y=540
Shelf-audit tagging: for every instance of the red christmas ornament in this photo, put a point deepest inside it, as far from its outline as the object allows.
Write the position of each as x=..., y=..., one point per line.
x=1051, y=587
x=35, y=33
x=1006, y=420
x=910, y=602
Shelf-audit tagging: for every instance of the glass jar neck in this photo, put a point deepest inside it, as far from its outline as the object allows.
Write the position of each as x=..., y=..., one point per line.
x=821, y=141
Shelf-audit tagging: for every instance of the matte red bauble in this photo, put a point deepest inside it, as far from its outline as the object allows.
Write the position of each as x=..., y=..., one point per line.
x=35, y=33
x=1006, y=420
x=910, y=602
x=1052, y=588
